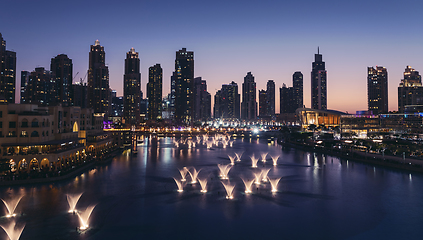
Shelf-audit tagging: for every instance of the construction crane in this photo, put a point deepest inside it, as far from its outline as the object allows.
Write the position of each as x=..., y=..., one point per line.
x=82, y=79
x=75, y=76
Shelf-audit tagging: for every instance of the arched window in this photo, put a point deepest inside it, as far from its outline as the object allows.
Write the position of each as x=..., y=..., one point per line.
x=35, y=134
x=75, y=127
x=34, y=123
x=24, y=123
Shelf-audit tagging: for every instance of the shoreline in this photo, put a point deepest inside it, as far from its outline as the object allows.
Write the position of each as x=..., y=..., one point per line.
x=371, y=159
x=71, y=174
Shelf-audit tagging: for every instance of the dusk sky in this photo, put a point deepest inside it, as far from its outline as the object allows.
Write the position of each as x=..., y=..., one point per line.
x=271, y=39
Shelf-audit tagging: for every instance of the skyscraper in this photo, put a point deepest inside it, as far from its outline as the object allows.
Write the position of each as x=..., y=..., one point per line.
x=377, y=89
x=154, y=92
x=249, y=101
x=132, y=89
x=227, y=102
x=61, y=66
x=270, y=98
x=7, y=72
x=98, y=80
x=263, y=104
x=318, y=83
x=297, y=83
x=40, y=88
x=184, y=76
x=201, y=100
x=410, y=90
x=291, y=98
x=24, y=85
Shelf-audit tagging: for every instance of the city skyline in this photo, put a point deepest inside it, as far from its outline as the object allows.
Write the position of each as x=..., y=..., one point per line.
x=274, y=52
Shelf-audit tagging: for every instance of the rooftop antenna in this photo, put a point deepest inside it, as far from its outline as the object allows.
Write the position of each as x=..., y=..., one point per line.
x=318, y=52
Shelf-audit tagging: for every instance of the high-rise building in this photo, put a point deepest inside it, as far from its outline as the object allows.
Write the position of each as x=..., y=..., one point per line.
x=154, y=92
x=410, y=90
x=79, y=95
x=201, y=100
x=297, y=83
x=263, y=104
x=270, y=98
x=40, y=88
x=98, y=80
x=184, y=76
x=24, y=85
x=62, y=66
x=172, y=96
x=318, y=83
x=291, y=98
x=7, y=72
x=249, y=101
x=377, y=89
x=132, y=89
x=227, y=102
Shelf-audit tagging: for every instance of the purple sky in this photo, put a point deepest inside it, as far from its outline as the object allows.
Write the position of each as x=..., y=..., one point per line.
x=229, y=38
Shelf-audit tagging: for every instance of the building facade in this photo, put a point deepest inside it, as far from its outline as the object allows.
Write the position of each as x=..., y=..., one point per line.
x=154, y=92
x=270, y=96
x=318, y=83
x=35, y=138
x=249, y=100
x=7, y=72
x=184, y=77
x=98, y=80
x=377, y=89
x=202, y=100
x=132, y=89
x=410, y=90
x=291, y=98
x=40, y=87
x=227, y=102
x=62, y=68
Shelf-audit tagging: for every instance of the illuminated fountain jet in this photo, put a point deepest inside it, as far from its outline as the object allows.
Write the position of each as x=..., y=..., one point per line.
x=229, y=190
x=238, y=156
x=203, y=184
x=176, y=143
x=180, y=185
x=263, y=157
x=72, y=201
x=264, y=173
x=275, y=160
x=11, y=205
x=194, y=175
x=257, y=177
x=13, y=232
x=84, y=216
x=254, y=161
x=224, y=170
x=231, y=143
x=209, y=144
x=248, y=184
x=183, y=173
x=232, y=159
x=274, y=183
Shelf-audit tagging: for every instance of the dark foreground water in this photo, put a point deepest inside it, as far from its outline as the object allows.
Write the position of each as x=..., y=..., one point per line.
x=319, y=197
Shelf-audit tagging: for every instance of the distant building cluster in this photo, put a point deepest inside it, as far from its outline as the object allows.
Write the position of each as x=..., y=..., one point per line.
x=189, y=102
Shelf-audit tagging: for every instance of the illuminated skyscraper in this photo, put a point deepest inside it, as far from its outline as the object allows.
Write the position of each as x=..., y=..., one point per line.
x=270, y=98
x=61, y=66
x=377, y=89
x=7, y=72
x=410, y=90
x=291, y=98
x=154, y=92
x=227, y=102
x=318, y=83
x=184, y=77
x=131, y=89
x=297, y=83
x=249, y=100
x=263, y=104
x=98, y=80
x=40, y=88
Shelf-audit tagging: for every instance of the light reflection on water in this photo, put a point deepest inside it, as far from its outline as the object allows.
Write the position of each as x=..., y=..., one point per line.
x=332, y=198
